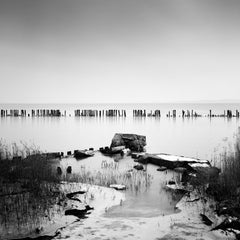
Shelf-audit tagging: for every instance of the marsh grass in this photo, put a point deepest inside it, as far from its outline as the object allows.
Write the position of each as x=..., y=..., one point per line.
x=29, y=190
x=135, y=181
x=228, y=160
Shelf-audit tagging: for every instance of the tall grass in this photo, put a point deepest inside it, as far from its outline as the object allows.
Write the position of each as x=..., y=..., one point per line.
x=136, y=181
x=228, y=160
x=28, y=188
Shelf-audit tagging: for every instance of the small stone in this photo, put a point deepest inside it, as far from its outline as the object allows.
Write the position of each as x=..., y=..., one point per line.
x=162, y=169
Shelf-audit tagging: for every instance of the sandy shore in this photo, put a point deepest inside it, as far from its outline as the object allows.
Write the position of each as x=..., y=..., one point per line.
x=186, y=224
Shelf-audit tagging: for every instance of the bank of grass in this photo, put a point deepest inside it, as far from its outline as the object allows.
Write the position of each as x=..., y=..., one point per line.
x=28, y=188
x=228, y=160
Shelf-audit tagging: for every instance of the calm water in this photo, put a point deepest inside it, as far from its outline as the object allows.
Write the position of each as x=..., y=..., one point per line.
x=197, y=137
x=192, y=137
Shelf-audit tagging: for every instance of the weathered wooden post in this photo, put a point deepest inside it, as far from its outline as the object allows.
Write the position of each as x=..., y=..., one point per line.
x=174, y=113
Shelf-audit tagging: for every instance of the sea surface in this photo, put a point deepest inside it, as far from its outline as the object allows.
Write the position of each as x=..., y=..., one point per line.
x=192, y=137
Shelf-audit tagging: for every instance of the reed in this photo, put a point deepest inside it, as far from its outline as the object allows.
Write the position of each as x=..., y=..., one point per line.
x=228, y=184
x=135, y=181
x=28, y=188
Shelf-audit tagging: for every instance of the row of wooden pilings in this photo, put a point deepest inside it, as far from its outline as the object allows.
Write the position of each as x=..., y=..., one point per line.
x=184, y=113
x=112, y=113
x=143, y=113
x=100, y=113
x=34, y=113
x=13, y=113
x=227, y=113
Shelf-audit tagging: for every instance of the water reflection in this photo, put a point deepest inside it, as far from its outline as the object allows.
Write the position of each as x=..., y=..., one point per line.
x=182, y=136
x=145, y=195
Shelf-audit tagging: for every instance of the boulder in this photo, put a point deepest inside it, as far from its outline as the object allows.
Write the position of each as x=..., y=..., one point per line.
x=134, y=142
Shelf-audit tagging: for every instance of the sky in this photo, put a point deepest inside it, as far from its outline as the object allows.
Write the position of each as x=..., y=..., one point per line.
x=76, y=51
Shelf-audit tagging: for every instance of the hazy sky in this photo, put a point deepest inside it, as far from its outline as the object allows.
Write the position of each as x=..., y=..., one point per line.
x=119, y=50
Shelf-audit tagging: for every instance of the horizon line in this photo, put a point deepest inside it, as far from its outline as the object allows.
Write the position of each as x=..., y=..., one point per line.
x=162, y=102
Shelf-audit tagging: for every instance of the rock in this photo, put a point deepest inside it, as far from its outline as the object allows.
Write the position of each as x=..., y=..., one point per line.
x=111, y=151
x=69, y=153
x=209, y=173
x=206, y=220
x=228, y=207
x=81, y=154
x=71, y=195
x=118, y=186
x=180, y=169
x=126, y=151
x=80, y=213
x=38, y=230
x=135, y=155
x=117, y=149
x=178, y=189
x=69, y=169
x=161, y=169
x=171, y=161
x=132, y=141
x=229, y=223
x=87, y=207
x=59, y=171
x=138, y=167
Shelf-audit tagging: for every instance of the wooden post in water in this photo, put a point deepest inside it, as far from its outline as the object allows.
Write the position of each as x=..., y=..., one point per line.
x=183, y=113
x=174, y=113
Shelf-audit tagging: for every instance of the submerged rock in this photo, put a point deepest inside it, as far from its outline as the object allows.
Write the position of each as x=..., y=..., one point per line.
x=132, y=141
x=138, y=167
x=178, y=189
x=180, y=169
x=59, y=171
x=118, y=186
x=206, y=220
x=80, y=213
x=161, y=169
x=69, y=169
